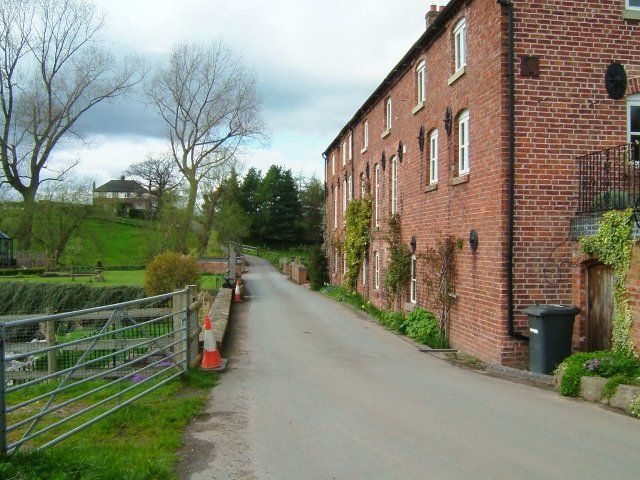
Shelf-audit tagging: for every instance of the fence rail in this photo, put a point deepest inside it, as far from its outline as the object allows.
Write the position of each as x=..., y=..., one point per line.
x=60, y=373
x=609, y=179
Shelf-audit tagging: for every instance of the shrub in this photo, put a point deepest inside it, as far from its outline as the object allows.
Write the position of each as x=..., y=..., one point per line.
x=424, y=327
x=318, y=268
x=612, y=200
x=23, y=298
x=604, y=364
x=170, y=271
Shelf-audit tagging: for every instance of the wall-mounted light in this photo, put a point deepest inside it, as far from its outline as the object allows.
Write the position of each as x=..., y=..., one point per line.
x=473, y=240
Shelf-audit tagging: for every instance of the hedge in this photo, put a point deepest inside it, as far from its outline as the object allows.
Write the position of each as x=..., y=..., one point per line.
x=13, y=272
x=23, y=298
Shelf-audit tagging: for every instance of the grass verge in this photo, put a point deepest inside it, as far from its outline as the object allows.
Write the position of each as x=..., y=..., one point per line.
x=419, y=325
x=139, y=442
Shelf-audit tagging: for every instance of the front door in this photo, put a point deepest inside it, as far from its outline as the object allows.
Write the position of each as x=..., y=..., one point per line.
x=599, y=307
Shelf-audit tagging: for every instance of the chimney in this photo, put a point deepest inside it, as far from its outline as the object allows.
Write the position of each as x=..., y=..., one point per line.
x=121, y=177
x=431, y=15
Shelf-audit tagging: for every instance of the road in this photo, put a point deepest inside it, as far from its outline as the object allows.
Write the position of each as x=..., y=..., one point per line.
x=316, y=391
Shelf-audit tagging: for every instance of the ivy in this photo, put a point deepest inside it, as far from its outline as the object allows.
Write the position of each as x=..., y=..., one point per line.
x=399, y=266
x=357, y=237
x=612, y=244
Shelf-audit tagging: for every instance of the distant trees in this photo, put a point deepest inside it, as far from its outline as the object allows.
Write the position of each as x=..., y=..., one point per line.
x=52, y=71
x=210, y=107
x=273, y=210
x=158, y=175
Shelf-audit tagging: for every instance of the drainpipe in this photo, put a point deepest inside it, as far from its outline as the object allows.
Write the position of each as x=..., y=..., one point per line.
x=512, y=161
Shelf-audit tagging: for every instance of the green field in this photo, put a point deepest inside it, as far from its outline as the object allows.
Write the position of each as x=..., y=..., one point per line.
x=133, y=278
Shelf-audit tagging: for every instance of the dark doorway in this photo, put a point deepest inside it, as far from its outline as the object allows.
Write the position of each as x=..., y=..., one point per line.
x=599, y=307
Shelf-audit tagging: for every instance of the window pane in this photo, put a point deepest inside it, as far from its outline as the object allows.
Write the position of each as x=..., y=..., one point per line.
x=634, y=3
x=634, y=121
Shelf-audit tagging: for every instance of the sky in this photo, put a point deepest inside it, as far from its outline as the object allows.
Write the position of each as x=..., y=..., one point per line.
x=316, y=63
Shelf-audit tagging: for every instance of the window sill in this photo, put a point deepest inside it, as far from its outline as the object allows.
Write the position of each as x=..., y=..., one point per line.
x=375, y=229
x=464, y=178
x=453, y=78
x=417, y=108
x=431, y=188
x=364, y=149
x=629, y=14
x=386, y=133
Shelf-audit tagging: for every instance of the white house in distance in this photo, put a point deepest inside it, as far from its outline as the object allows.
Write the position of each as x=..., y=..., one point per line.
x=129, y=193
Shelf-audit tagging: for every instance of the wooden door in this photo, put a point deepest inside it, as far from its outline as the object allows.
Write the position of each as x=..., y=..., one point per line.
x=599, y=307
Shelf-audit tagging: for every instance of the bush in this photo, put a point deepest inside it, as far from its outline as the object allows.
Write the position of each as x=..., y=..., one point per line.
x=604, y=364
x=423, y=327
x=170, y=271
x=318, y=268
x=23, y=298
x=12, y=272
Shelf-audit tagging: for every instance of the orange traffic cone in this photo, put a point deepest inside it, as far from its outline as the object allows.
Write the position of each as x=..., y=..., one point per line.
x=211, y=359
x=238, y=295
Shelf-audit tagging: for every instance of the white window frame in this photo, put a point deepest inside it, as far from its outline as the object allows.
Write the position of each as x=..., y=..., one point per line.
x=628, y=6
x=333, y=164
x=433, y=157
x=463, y=143
x=335, y=261
x=421, y=73
x=388, y=111
x=394, y=184
x=344, y=199
x=335, y=207
x=460, y=44
x=414, y=280
x=632, y=101
x=366, y=135
x=350, y=187
x=376, y=212
x=376, y=271
x=350, y=146
x=365, y=262
x=344, y=153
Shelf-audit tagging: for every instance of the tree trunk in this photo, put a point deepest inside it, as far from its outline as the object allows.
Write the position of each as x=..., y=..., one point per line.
x=25, y=227
x=186, y=223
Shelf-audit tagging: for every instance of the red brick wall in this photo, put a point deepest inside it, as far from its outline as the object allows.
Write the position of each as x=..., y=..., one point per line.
x=560, y=115
x=478, y=318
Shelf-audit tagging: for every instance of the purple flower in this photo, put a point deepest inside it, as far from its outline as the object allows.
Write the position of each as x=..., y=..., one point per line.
x=165, y=363
x=592, y=365
x=139, y=377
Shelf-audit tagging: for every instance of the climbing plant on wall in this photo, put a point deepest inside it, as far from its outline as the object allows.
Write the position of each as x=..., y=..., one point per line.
x=357, y=237
x=612, y=244
x=399, y=264
x=440, y=278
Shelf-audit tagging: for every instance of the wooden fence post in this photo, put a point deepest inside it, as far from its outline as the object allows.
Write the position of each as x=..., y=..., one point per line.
x=193, y=327
x=180, y=304
x=52, y=355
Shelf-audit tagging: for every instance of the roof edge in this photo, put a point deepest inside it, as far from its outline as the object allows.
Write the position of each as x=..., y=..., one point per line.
x=429, y=35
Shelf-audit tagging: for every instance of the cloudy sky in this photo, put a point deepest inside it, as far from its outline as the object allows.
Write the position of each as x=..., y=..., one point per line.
x=316, y=62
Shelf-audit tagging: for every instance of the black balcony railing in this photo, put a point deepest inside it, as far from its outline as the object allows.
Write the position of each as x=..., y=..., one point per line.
x=609, y=179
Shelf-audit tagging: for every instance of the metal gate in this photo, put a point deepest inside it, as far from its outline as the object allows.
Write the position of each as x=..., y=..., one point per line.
x=61, y=373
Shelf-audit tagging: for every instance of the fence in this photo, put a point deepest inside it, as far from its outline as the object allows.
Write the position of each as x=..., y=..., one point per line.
x=610, y=179
x=61, y=373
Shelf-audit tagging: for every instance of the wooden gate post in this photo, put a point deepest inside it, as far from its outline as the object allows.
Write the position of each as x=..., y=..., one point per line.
x=52, y=357
x=180, y=305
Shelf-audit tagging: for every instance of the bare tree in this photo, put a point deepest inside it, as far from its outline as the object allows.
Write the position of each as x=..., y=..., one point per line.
x=159, y=175
x=210, y=106
x=52, y=71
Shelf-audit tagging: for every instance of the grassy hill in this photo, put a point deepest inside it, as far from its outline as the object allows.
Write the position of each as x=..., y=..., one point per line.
x=115, y=241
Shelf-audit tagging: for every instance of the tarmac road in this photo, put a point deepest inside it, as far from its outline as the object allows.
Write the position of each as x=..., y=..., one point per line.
x=315, y=391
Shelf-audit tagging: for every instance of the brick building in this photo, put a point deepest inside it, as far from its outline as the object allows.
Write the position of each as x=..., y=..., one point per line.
x=452, y=145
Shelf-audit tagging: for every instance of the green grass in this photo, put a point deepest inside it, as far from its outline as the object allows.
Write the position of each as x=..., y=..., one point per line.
x=420, y=325
x=133, y=278
x=276, y=256
x=138, y=442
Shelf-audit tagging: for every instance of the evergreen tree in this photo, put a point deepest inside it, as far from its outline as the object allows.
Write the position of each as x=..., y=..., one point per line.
x=249, y=192
x=312, y=198
x=280, y=208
